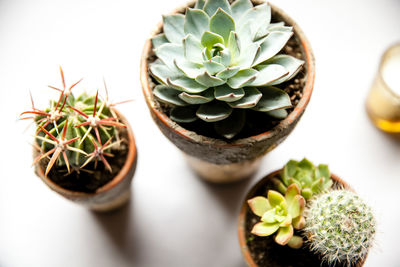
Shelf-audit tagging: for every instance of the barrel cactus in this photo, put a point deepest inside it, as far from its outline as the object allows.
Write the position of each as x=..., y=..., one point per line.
x=310, y=179
x=219, y=59
x=73, y=132
x=340, y=227
x=281, y=214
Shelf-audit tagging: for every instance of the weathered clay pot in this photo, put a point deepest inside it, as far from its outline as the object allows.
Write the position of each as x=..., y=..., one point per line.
x=245, y=208
x=215, y=159
x=109, y=196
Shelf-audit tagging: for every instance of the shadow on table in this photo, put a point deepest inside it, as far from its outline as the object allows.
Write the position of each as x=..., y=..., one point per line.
x=120, y=228
x=229, y=195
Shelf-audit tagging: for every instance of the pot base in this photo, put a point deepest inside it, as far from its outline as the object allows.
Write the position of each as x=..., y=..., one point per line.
x=113, y=204
x=224, y=173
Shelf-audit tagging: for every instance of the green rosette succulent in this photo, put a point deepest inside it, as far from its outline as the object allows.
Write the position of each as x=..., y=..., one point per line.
x=310, y=179
x=218, y=59
x=340, y=227
x=281, y=214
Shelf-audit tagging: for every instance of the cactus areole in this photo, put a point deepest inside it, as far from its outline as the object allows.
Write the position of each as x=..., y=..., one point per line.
x=227, y=81
x=81, y=143
x=259, y=250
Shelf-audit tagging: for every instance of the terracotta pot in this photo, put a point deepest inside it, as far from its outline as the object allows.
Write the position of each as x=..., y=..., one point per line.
x=245, y=208
x=109, y=196
x=215, y=159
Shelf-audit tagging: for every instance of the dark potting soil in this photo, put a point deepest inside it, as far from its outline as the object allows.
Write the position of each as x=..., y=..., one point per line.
x=266, y=253
x=89, y=179
x=256, y=122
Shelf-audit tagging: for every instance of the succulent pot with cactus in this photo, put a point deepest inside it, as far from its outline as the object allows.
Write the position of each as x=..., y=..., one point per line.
x=297, y=216
x=84, y=149
x=226, y=82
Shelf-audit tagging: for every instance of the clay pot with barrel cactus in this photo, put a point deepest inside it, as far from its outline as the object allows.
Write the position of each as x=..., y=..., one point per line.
x=303, y=215
x=84, y=149
x=226, y=82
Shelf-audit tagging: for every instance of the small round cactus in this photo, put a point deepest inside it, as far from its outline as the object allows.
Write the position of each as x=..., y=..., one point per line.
x=75, y=131
x=340, y=226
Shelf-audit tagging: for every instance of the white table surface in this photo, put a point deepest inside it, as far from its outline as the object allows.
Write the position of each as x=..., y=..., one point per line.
x=175, y=219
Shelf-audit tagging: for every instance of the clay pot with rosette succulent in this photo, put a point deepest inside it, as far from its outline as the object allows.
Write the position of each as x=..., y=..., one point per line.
x=227, y=83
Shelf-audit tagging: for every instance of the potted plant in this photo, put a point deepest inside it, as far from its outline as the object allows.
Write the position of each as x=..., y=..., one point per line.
x=227, y=82
x=317, y=221
x=84, y=149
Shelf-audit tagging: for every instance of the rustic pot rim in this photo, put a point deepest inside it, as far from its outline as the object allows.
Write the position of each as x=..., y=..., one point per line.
x=193, y=136
x=243, y=210
x=121, y=175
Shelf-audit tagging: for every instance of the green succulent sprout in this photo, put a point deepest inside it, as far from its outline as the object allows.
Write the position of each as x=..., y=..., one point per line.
x=72, y=132
x=310, y=179
x=218, y=59
x=281, y=214
x=340, y=227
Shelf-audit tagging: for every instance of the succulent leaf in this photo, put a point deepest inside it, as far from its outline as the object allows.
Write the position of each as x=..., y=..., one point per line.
x=272, y=99
x=183, y=114
x=161, y=72
x=249, y=100
x=209, y=39
x=190, y=69
x=295, y=242
x=228, y=73
x=204, y=97
x=213, y=111
x=222, y=23
x=158, y=40
x=291, y=64
x=227, y=94
x=192, y=49
x=187, y=85
x=268, y=74
x=196, y=22
x=169, y=95
x=272, y=44
x=214, y=67
x=239, y=8
x=232, y=125
x=212, y=6
x=265, y=229
x=207, y=80
x=242, y=78
x=174, y=28
x=259, y=205
x=284, y=235
x=278, y=113
x=169, y=52
x=199, y=4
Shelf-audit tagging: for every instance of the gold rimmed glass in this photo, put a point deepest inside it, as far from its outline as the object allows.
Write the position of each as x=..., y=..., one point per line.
x=383, y=101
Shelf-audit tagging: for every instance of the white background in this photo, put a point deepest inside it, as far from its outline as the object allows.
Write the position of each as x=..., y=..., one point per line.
x=175, y=219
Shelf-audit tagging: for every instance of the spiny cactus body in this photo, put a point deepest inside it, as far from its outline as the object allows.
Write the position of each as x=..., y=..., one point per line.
x=219, y=59
x=74, y=131
x=281, y=214
x=339, y=226
x=310, y=179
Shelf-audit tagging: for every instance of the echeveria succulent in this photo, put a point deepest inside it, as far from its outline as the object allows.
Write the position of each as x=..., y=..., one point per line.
x=340, y=227
x=73, y=132
x=281, y=214
x=218, y=59
x=310, y=179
